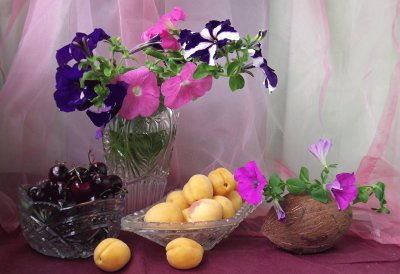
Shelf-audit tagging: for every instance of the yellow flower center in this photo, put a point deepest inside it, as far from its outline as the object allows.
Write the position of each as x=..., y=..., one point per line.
x=137, y=91
x=185, y=83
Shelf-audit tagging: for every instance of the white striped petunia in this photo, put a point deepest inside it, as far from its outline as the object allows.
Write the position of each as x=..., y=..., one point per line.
x=204, y=44
x=271, y=80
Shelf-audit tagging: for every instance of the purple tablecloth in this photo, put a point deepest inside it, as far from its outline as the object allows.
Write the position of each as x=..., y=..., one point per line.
x=245, y=251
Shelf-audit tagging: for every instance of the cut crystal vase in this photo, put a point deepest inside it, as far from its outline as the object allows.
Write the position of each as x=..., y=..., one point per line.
x=139, y=151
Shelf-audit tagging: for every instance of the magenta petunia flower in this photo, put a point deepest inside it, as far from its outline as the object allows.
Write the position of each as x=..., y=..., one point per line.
x=320, y=150
x=250, y=182
x=142, y=96
x=167, y=21
x=343, y=189
x=181, y=89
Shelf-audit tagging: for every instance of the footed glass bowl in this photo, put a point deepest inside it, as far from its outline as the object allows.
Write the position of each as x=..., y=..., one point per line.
x=70, y=232
x=208, y=233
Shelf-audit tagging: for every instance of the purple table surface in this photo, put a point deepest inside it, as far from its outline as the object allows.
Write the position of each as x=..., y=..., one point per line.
x=244, y=251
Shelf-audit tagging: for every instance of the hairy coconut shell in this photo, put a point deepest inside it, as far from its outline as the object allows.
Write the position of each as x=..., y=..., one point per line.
x=310, y=226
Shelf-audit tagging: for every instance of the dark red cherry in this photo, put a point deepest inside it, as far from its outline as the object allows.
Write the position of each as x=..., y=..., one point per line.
x=54, y=191
x=82, y=173
x=58, y=173
x=81, y=192
x=99, y=184
x=99, y=168
x=115, y=180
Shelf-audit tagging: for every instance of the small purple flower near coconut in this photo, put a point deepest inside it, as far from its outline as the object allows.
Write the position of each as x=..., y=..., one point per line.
x=280, y=213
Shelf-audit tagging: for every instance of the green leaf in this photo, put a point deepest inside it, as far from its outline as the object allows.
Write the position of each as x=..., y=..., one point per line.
x=320, y=194
x=304, y=174
x=245, y=55
x=155, y=54
x=101, y=90
x=202, y=70
x=107, y=72
x=97, y=101
x=236, y=82
x=172, y=66
x=275, y=186
x=274, y=180
x=89, y=75
x=295, y=186
x=363, y=195
x=379, y=191
x=233, y=68
x=83, y=65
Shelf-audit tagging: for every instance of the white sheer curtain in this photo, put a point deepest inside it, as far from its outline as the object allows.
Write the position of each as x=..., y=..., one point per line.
x=337, y=63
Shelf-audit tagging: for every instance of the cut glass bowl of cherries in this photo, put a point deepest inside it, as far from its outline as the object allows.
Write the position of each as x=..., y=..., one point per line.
x=70, y=186
x=70, y=212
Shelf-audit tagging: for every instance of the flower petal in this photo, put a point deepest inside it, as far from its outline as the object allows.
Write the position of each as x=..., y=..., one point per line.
x=63, y=55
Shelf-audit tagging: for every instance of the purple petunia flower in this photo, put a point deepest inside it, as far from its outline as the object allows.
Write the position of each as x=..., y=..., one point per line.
x=271, y=79
x=81, y=47
x=112, y=104
x=68, y=95
x=279, y=211
x=204, y=44
x=343, y=189
x=251, y=182
x=320, y=150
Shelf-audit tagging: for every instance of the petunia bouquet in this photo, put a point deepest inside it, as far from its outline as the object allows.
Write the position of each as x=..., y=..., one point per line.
x=180, y=67
x=342, y=188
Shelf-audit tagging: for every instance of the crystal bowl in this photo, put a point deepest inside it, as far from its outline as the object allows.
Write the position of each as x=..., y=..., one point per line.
x=208, y=233
x=69, y=232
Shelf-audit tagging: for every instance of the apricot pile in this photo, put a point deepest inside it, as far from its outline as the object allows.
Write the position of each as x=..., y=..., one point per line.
x=203, y=198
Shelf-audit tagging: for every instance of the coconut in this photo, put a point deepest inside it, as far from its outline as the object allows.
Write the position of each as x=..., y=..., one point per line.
x=310, y=226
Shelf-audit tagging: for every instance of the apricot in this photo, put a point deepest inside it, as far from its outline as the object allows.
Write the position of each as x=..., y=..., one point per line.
x=236, y=199
x=228, y=210
x=164, y=213
x=111, y=254
x=222, y=181
x=203, y=210
x=198, y=187
x=177, y=198
x=184, y=253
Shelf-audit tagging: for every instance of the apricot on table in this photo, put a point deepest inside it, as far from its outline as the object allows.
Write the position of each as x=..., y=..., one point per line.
x=111, y=254
x=184, y=253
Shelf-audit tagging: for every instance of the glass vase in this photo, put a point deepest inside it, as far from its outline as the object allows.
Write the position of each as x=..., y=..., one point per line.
x=139, y=151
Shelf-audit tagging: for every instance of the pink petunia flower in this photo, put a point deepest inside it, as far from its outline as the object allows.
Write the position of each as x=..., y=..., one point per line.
x=251, y=182
x=181, y=89
x=142, y=97
x=343, y=189
x=167, y=21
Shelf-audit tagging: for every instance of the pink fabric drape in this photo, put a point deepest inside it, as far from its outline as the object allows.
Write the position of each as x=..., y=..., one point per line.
x=338, y=71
